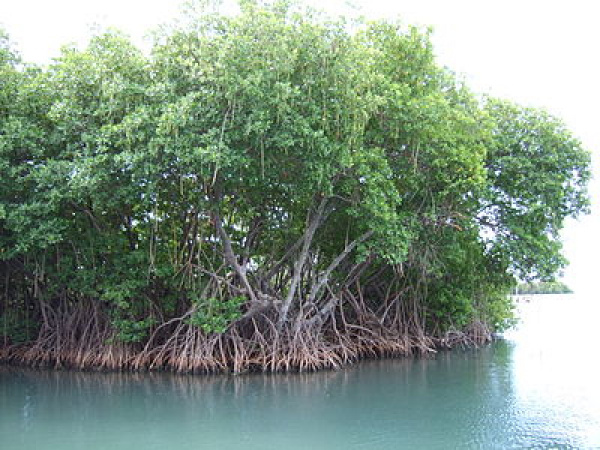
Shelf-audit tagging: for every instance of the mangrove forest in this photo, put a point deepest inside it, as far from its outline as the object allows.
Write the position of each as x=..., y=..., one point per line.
x=271, y=190
x=552, y=287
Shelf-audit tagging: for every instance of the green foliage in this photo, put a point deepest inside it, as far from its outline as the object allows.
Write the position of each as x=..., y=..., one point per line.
x=538, y=173
x=136, y=182
x=499, y=311
x=549, y=287
x=130, y=331
x=213, y=315
x=17, y=329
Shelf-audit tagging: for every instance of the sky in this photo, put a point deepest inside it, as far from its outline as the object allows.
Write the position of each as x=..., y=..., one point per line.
x=540, y=53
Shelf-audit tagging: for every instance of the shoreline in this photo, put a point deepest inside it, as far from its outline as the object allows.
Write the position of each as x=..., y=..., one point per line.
x=229, y=354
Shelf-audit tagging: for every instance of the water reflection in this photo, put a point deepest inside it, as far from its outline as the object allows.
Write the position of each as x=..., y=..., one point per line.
x=512, y=394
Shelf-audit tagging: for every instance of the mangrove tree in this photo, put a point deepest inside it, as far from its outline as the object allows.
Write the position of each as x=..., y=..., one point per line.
x=270, y=190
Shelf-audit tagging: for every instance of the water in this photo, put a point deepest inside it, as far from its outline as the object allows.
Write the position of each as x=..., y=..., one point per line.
x=537, y=389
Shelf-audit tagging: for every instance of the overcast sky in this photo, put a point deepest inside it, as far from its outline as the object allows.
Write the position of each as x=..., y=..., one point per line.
x=537, y=53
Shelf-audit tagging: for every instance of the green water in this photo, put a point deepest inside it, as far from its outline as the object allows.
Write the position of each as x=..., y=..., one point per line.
x=536, y=389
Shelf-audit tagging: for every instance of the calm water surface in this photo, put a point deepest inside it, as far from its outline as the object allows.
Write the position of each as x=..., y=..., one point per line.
x=539, y=388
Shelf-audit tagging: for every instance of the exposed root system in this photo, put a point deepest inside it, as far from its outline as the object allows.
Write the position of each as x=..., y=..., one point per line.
x=81, y=338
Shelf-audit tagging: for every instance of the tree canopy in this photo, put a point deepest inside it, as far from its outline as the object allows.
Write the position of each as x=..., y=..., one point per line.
x=274, y=189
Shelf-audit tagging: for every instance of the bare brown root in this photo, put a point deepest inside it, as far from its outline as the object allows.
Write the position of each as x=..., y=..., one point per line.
x=82, y=338
x=475, y=335
x=78, y=337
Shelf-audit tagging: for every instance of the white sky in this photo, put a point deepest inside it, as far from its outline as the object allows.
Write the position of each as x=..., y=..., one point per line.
x=535, y=52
